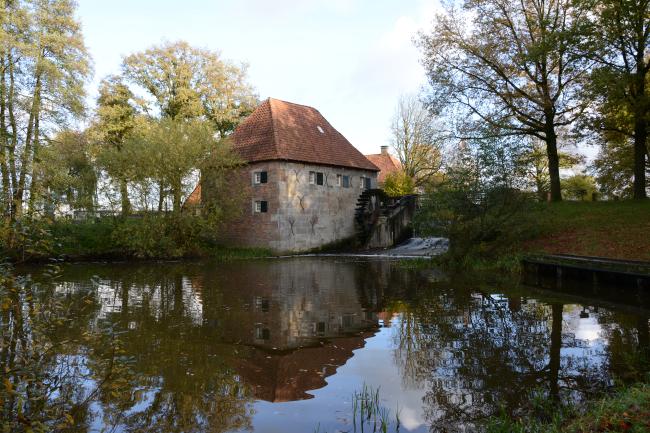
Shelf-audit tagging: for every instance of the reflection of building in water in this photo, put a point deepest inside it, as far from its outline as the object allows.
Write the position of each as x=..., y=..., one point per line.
x=292, y=322
x=287, y=304
x=301, y=320
x=288, y=375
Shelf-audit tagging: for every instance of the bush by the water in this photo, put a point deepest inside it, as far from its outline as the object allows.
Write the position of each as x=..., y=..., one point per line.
x=149, y=236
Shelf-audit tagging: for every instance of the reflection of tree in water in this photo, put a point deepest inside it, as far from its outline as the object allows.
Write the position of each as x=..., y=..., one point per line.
x=53, y=364
x=180, y=383
x=628, y=340
x=475, y=352
x=130, y=350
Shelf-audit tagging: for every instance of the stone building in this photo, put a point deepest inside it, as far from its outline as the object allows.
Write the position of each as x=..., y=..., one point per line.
x=301, y=181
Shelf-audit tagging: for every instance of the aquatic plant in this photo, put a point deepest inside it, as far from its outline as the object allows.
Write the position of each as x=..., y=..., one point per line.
x=368, y=414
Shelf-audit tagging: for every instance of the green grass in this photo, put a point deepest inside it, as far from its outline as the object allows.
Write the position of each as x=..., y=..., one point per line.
x=614, y=229
x=628, y=410
x=223, y=253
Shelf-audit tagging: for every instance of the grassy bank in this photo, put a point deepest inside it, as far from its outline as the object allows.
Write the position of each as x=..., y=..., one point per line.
x=118, y=239
x=615, y=229
x=627, y=410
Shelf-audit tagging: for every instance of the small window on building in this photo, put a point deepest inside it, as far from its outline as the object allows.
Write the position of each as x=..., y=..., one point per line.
x=316, y=178
x=343, y=181
x=262, y=333
x=260, y=177
x=261, y=206
x=366, y=181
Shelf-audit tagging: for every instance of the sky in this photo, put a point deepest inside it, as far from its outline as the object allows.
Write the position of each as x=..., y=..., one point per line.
x=350, y=59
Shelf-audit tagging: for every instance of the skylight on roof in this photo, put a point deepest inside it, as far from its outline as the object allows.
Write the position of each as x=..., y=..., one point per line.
x=320, y=129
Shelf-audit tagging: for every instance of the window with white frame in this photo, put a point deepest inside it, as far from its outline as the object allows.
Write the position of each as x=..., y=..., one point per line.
x=365, y=182
x=260, y=177
x=316, y=178
x=261, y=206
x=343, y=181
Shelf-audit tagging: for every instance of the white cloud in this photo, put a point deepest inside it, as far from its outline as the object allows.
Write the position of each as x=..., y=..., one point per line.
x=390, y=67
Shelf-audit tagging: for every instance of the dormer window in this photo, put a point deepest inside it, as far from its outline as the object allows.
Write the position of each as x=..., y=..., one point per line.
x=260, y=177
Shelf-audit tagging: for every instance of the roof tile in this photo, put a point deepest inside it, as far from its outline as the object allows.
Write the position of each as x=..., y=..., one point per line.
x=279, y=130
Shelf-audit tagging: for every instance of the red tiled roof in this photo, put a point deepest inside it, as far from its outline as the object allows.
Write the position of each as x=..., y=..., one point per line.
x=194, y=199
x=387, y=163
x=279, y=130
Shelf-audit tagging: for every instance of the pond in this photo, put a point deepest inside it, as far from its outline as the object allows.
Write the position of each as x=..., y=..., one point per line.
x=300, y=345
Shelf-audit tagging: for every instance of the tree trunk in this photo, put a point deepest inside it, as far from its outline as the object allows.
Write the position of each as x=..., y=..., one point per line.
x=33, y=186
x=640, y=137
x=553, y=162
x=161, y=196
x=26, y=158
x=12, y=144
x=4, y=143
x=124, y=194
x=177, y=197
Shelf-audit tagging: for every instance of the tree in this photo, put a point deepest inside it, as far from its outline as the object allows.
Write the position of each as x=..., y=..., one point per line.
x=44, y=65
x=621, y=41
x=579, y=187
x=65, y=174
x=478, y=206
x=116, y=119
x=190, y=83
x=187, y=82
x=533, y=165
x=613, y=168
x=170, y=150
x=416, y=139
x=515, y=66
x=398, y=184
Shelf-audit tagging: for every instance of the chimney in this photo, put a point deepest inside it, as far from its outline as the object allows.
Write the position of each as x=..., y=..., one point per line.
x=384, y=150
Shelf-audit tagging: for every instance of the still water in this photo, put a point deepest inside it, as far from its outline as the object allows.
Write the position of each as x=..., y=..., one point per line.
x=283, y=345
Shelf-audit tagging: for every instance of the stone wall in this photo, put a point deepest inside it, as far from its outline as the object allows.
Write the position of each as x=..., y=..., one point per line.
x=300, y=216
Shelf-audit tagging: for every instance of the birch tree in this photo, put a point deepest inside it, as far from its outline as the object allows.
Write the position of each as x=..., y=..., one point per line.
x=43, y=67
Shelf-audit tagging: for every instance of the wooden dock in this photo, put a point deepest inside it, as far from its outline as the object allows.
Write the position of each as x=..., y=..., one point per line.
x=586, y=276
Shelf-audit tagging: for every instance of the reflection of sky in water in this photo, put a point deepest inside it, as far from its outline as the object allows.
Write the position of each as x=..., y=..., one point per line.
x=374, y=365
x=331, y=406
